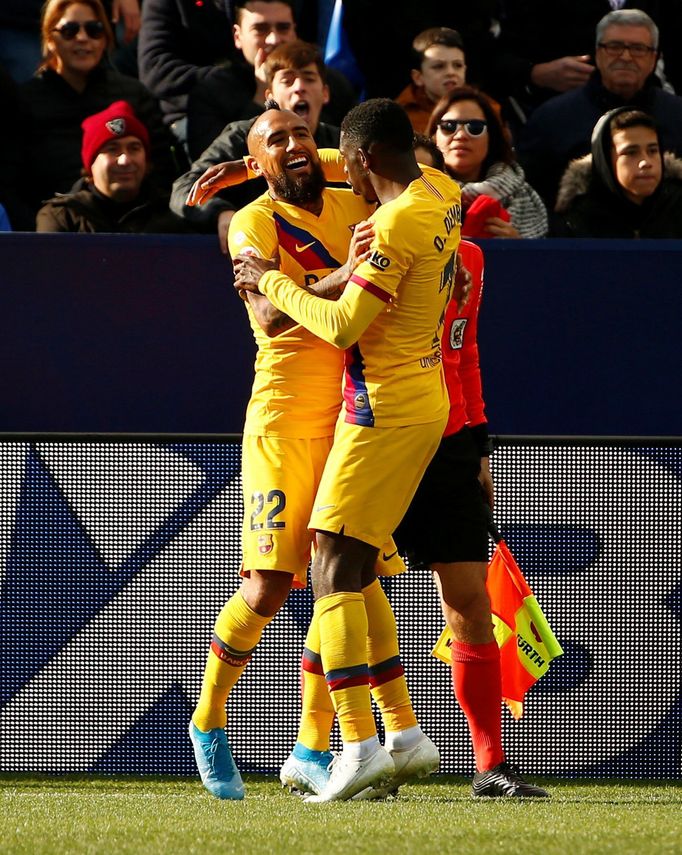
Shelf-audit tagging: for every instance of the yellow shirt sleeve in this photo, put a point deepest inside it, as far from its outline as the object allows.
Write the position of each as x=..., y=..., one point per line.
x=332, y=164
x=339, y=322
x=252, y=231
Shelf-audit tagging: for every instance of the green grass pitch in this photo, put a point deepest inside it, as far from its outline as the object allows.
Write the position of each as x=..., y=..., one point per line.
x=97, y=814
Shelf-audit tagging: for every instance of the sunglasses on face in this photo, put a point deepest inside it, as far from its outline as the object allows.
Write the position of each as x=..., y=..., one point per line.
x=471, y=127
x=69, y=30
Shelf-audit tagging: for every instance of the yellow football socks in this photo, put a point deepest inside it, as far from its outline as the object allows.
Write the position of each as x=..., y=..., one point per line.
x=237, y=632
x=386, y=676
x=343, y=649
x=317, y=710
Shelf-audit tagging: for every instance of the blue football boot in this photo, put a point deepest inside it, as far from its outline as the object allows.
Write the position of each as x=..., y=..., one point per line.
x=215, y=764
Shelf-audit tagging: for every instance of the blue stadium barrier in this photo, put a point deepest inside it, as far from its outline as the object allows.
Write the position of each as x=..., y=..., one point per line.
x=144, y=334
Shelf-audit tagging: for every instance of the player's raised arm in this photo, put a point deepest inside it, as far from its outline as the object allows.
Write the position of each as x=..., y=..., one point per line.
x=216, y=178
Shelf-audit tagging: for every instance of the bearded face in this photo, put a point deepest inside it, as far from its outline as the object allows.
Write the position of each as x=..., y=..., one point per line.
x=298, y=189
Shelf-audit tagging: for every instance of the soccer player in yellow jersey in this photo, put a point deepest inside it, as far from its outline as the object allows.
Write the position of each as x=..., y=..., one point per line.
x=389, y=318
x=289, y=429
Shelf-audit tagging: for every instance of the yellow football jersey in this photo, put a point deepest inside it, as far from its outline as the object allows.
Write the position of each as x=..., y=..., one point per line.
x=297, y=384
x=394, y=372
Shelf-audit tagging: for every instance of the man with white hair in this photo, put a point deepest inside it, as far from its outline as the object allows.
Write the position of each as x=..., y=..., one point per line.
x=626, y=51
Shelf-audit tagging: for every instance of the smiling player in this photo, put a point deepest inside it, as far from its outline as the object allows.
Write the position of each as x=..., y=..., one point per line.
x=289, y=429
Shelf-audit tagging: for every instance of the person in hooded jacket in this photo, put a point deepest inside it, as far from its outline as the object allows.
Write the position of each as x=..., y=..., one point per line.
x=626, y=188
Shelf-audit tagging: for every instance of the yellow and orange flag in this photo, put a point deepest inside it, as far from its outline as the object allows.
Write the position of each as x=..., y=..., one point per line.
x=526, y=641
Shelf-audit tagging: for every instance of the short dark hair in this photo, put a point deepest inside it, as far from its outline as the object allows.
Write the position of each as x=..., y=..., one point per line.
x=433, y=36
x=271, y=104
x=633, y=119
x=294, y=55
x=499, y=147
x=238, y=7
x=422, y=141
x=378, y=120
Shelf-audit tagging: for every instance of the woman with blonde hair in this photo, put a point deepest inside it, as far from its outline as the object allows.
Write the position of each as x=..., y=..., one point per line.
x=76, y=80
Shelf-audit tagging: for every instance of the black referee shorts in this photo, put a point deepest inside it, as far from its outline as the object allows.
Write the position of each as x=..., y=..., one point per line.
x=447, y=520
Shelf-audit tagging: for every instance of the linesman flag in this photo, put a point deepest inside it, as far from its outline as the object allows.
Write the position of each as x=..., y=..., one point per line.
x=526, y=641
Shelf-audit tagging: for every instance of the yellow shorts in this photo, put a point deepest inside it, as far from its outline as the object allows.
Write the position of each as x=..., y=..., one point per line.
x=370, y=478
x=280, y=477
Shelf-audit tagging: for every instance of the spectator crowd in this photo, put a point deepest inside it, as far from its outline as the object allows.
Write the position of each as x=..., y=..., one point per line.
x=559, y=119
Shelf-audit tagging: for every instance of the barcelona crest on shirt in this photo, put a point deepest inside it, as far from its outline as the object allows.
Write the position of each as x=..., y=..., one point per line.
x=265, y=543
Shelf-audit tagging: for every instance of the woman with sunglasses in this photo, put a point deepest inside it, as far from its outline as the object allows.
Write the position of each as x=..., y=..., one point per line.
x=76, y=80
x=479, y=156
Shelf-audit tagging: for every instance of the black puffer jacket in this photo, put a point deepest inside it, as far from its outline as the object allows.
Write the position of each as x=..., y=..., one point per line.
x=591, y=203
x=86, y=210
x=52, y=115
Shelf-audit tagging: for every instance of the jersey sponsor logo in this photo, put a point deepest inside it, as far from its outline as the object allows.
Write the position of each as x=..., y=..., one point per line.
x=265, y=543
x=457, y=333
x=379, y=261
x=389, y=556
x=433, y=360
x=324, y=508
x=303, y=248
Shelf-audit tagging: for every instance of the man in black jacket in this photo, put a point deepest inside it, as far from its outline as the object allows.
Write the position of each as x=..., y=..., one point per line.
x=547, y=48
x=296, y=78
x=114, y=197
x=181, y=43
x=237, y=90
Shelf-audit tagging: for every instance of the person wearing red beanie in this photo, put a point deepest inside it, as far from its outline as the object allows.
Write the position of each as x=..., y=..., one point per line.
x=114, y=123
x=113, y=196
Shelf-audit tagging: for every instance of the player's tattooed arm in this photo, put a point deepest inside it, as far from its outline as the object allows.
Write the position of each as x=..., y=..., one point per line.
x=215, y=178
x=269, y=319
x=331, y=286
x=249, y=269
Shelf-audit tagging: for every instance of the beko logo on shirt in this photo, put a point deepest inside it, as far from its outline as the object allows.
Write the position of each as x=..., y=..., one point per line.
x=379, y=261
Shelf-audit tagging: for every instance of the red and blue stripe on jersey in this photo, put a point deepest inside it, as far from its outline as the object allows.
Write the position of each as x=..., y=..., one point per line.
x=305, y=249
x=355, y=395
